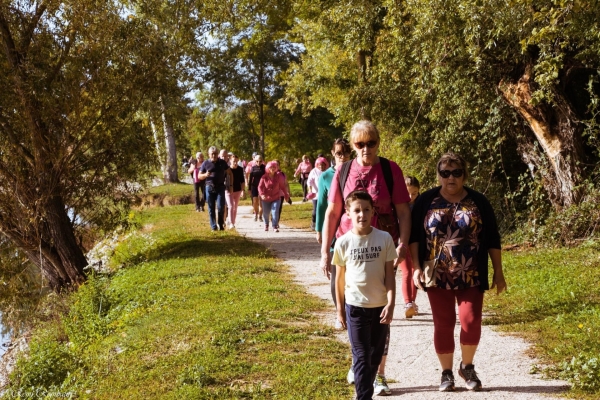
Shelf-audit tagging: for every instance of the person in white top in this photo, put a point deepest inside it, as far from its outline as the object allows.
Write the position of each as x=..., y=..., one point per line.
x=321, y=165
x=364, y=259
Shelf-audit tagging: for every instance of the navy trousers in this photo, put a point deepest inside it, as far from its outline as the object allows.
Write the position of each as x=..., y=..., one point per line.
x=367, y=337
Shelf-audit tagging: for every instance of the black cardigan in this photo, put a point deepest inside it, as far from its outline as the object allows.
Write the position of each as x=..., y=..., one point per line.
x=489, y=237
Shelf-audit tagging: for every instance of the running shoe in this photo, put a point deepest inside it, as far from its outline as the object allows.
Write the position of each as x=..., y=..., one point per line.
x=447, y=384
x=409, y=310
x=260, y=218
x=380, y=386
x=255, y=217
x=201, y=209
x=277, y=230
x=266, y=228
x=467, y=372
x=416, y=307
x=350, y=376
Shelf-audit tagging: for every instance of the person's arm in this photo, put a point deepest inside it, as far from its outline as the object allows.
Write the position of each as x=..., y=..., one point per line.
x=390, y=286
x=498, y=280
x=297, y=170
x=191, y=168
x=418, y=272
x=322, y=194
x=332, y=216
x=403, y=215
x=340, y=285
x=283, y=187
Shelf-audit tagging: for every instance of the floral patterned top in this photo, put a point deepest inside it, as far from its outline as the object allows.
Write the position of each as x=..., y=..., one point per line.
x=457, y=265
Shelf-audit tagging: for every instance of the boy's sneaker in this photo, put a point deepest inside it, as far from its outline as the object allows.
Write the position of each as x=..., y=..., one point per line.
x=381, y=387
x=350, y=376
x=447, y=384
x=409, y=310
x=467, y=372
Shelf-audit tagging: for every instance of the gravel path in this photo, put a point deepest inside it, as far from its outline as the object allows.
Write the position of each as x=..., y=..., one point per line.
x=412, y=365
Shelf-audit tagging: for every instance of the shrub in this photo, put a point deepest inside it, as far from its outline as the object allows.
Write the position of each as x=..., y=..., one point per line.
x=583, y=371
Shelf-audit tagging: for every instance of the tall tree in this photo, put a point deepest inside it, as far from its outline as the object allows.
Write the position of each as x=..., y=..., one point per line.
x=72, y=76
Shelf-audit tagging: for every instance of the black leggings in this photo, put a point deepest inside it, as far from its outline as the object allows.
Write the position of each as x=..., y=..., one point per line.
x=303, y=181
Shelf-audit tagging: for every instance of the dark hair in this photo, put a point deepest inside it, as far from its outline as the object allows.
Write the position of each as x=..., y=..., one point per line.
x=453, y=158
x=346, y=149
x=358, y=195
x=412, y=181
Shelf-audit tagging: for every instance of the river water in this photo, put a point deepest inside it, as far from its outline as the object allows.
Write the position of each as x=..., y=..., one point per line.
x=3, y=339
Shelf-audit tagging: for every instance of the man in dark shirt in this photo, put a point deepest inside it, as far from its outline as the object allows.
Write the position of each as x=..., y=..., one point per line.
x=213, y=171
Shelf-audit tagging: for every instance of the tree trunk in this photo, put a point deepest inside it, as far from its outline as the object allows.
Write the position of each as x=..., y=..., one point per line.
x=261, y=112
x=556, y=129
x=159, y=150
x=170, y=175
x=363, y=80
x=64, y=241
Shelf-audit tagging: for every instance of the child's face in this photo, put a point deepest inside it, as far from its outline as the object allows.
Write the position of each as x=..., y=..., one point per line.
x=360, y=212
x=413, y=191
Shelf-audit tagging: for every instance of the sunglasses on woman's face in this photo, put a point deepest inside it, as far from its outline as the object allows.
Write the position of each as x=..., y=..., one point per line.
x=339, y=154
x=445, y=173
x=370, y=144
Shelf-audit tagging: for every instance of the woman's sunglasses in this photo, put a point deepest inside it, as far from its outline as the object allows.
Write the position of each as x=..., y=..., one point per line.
x=445, y=173
x=370, y=144
x=340, y=154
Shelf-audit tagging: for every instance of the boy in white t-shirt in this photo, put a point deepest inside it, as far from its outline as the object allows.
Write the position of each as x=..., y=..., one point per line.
x=364, y=259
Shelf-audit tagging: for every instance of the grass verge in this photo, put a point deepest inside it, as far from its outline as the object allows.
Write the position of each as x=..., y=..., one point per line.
x=190, y=315
x=554, y=302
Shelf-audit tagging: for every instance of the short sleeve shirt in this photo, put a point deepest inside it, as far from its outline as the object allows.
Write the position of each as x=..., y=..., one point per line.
x=458, y=232
x=364, y=258
x=217, y=172
x=372, y=180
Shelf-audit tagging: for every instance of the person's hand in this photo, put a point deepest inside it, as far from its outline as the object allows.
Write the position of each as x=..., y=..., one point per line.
x=341, y=316
x=289, y=201
x=498, y=282
x=243, y=196
x=401, y=251
x=387, y=314
x=262, y=197
x=319, y=238
x=325, y=265
x=418, y=278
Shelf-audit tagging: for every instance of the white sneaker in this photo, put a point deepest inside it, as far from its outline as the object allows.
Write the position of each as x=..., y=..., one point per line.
x=381, y=387
x=350, y=376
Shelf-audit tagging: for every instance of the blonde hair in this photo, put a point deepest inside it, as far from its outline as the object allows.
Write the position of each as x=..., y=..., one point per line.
x=363, y=131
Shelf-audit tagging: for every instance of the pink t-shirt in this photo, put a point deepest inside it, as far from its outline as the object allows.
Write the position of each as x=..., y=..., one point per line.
x=304, y=168
x=273, y=188
x=372, y=180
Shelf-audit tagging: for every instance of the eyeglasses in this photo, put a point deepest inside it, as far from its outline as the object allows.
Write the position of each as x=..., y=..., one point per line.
x=370, y=144
x=445, y=173
x=340, y=154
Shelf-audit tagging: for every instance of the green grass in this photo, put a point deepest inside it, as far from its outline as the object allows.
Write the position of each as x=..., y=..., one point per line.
x=172, y=189
x=554, y=301
x=190, y=314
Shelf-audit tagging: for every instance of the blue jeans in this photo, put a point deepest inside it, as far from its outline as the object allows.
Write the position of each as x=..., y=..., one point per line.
x=219, y=199
x=367, y=337
x=273, y=208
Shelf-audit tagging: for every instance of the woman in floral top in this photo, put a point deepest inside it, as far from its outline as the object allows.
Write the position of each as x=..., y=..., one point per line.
x=456, y=225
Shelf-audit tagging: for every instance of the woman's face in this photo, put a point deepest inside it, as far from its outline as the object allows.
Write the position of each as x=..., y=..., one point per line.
x=322, y=166
x=413, y=192
x=452, y=184
x=339, y=155
x=272, y=169
x=366, y=148
x=233, y=161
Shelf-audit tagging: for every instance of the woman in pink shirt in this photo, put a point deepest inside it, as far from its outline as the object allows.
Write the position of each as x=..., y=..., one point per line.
x=271, y=185
x=303, y=170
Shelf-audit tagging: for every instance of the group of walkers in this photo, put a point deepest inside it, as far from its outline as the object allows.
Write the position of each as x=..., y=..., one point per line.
x=220, y=182
x=369, y=220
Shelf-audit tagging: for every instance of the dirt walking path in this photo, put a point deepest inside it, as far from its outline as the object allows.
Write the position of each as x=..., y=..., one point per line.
x=412, y=365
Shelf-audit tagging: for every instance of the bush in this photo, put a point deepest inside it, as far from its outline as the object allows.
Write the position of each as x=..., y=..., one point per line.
x=583, y=371
x=44, y=369
x=87, y=318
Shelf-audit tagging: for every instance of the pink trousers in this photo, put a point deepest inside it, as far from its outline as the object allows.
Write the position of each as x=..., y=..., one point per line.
x=232, y=199
x=470, y=304
x=409, y=290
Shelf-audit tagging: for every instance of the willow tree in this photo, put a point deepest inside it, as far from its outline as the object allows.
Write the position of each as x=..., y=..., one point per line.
x=72, y=76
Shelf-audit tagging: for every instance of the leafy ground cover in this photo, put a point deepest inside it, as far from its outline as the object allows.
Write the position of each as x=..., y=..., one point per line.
x=554, y=302
x=189, y=314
